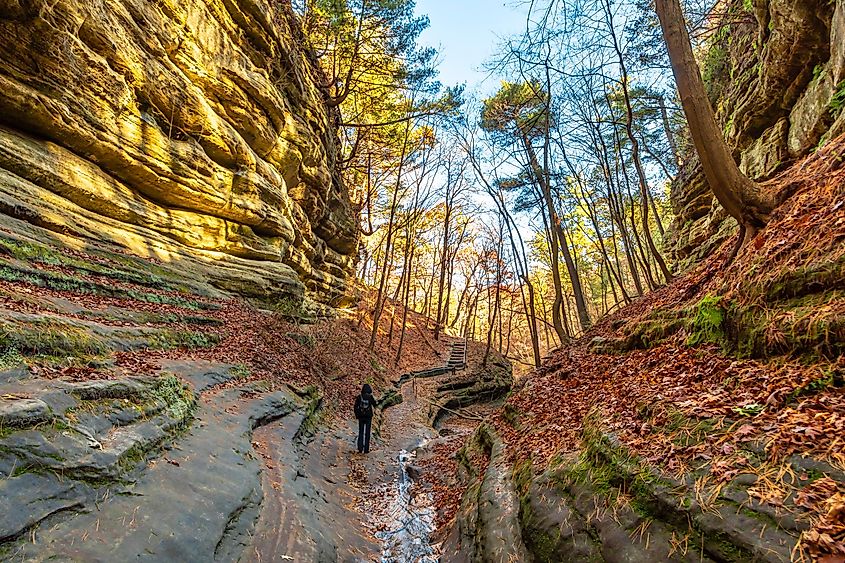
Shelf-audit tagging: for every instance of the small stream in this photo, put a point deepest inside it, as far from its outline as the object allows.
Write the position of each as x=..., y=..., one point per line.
x=409, y=521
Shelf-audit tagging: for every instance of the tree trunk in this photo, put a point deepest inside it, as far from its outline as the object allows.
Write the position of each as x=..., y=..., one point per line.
x=615, y=208
x=554, y=241
x=667, y=129
x=740, y=197
x=559, y=242
x=380, y=297
x=405, y=309
x=438, y=325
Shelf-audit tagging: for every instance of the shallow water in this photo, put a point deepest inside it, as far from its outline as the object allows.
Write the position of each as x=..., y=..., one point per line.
x=409, y=521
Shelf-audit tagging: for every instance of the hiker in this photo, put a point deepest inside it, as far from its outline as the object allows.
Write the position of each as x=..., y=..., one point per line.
x=364, y=405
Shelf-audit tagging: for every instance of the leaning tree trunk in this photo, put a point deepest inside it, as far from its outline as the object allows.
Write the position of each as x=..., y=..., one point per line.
x=740, y=196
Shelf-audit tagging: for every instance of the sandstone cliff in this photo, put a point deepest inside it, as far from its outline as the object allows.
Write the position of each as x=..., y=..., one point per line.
x=190, y=131
x=776, y=74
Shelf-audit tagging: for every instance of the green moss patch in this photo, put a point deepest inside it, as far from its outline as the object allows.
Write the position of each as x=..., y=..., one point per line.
x=169, y=339
x=49, y=339
x=61, y=282
x=180, y=401
x=39, y=253
x=708, y=323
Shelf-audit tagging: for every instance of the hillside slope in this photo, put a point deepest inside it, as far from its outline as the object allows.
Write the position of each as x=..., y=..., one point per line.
x=703, y=422
x=775, y=73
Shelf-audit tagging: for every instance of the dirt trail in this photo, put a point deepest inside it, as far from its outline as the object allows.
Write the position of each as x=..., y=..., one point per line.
x=308, y=513
x=130, y=390
x=397, y=509
x=252, y=475
x=326, y=502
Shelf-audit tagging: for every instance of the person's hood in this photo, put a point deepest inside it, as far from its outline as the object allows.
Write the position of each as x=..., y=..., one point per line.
x=366, y=389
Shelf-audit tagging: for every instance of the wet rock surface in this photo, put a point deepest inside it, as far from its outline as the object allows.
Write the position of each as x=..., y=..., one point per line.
x=408, y=533
x=176, y=480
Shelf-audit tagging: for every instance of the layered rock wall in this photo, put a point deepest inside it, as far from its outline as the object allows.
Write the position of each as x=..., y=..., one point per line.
x=776, y=75
x=192, y=131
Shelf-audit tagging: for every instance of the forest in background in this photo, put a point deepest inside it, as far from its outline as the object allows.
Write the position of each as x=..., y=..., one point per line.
x=524, y=216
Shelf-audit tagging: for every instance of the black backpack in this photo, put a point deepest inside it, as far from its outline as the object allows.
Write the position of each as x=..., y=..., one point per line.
x=363, y=408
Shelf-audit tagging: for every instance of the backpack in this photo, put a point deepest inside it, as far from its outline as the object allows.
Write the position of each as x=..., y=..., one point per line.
x=363, y=408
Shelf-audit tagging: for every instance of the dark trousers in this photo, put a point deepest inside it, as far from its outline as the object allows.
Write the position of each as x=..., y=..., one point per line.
x=364, y=425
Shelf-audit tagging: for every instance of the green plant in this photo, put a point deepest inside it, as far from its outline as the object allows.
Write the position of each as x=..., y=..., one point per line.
x=837, y=102
x=751, y=409
x=714, y=65
x=180, y=401
x=9, y=357
x=168, y=339
x=27, y=251
x=241, y=371
x=728, y=126
x=826, y=381
x=62, y=282
x=39, y=253
x=708, y=322
x=288, y=306
x=48, y=339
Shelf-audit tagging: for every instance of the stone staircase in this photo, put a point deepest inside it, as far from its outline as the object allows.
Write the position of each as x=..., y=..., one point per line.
x=457, y=356
x=457, y=361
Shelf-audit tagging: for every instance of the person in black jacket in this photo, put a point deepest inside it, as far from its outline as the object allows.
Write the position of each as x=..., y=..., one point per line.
x=365, y=404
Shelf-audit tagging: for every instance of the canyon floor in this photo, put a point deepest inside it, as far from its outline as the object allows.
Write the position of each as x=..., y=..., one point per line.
x=147, y=414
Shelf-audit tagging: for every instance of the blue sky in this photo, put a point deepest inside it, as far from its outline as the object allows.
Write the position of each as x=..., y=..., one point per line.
x=466, y=33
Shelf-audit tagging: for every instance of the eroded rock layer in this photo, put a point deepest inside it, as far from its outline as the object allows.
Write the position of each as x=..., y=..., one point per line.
x=776, y=75
x=191, y=131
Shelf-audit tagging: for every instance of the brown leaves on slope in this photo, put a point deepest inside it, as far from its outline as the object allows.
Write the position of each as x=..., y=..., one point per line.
x=678, y=407
x=331, y=354
x=826, y=497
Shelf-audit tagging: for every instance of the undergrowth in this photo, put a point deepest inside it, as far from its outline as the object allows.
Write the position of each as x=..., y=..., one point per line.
x=179, y=399
x=38, y=253
x=170, y=339
x=62, y=282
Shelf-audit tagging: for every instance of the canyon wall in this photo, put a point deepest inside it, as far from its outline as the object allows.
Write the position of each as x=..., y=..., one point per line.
x=192, y=132
x=775, y=70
